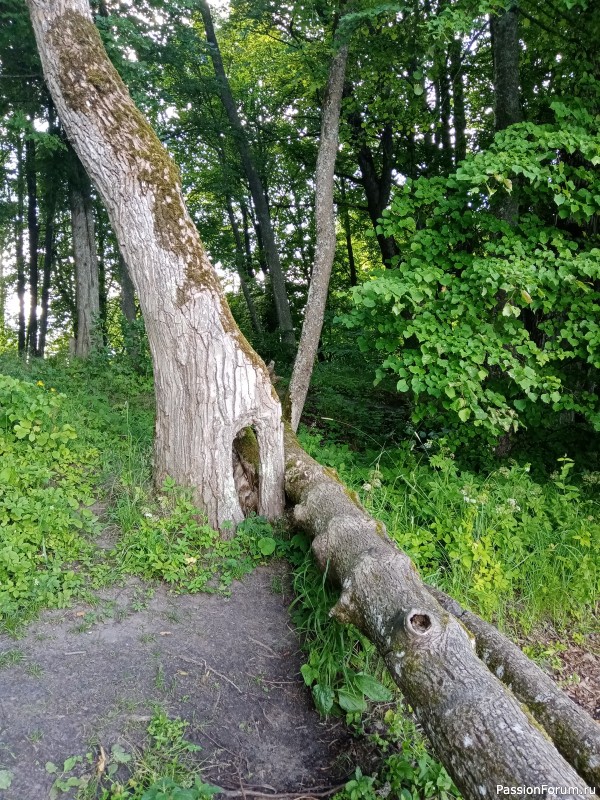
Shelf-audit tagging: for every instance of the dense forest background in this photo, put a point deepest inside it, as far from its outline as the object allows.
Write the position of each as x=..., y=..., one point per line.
x=456, y=381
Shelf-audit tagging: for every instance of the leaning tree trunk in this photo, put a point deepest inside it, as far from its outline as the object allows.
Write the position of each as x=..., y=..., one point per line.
x=85, y=255
x=19, y=250
x=325, y=248
x=209, y=382
x=478, y=729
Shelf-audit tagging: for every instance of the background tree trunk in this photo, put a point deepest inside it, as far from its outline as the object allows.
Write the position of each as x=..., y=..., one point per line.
x=209, y=382
x=19, y=250
x=507, y=101
x=261, y=205
x=33, y=235
x=86, y=264
x=325, y=248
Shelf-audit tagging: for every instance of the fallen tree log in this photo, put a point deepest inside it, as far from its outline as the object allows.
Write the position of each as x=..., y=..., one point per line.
x=478, y=729
x=575, y=734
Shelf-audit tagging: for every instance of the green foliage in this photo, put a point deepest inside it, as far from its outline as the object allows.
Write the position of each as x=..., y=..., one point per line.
x=164, y=769
x=505, y=543
x=46, y=483
x=167, y=539
x=490, y=325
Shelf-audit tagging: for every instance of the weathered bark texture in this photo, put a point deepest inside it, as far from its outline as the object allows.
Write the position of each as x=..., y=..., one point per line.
x=85, y=254
x=255, y=183
x=573, y=731
x=209, y=383
x=325, y=248
x=477, y=728
x=505, y=48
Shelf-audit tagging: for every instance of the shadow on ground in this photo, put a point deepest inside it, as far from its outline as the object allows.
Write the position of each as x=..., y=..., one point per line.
x=90, y=676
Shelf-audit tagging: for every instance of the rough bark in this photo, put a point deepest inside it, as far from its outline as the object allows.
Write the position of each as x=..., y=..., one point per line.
x=575, y=734
x=85, y=255
x=325, y=247
x=477, y=728
x=209, y=383
x=33, y=235
x=255, y=183
x=128, y=308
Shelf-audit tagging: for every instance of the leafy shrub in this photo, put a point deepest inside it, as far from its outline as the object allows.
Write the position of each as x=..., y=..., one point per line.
x=485, y=322
x=45, y=485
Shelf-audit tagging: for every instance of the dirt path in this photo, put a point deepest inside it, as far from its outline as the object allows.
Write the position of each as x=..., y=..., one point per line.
x=90, y=676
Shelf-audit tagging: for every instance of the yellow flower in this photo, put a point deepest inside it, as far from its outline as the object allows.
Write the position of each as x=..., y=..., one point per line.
x=40, y=383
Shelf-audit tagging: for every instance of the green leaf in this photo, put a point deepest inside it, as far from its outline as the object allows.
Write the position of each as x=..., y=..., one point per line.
x=372, y=688
x=350, y=702
x=120, y=755
x=51, y=768
x=323, y=697
x=6, y=777
x=402, y=385
x=307, y=673
x=464, y=414
x=267, y=545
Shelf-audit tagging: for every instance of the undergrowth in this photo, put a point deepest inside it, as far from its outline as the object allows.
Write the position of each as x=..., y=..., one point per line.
x=165, y=767
x=75, y=433
x=512, y=546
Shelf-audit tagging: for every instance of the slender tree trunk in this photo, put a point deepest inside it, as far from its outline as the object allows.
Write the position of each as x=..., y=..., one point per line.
x=33, y=233
x=377, y=186
x=444, y=90
x=20, y=257
x=458, y=102
x=47, y=270
x=241, y=270
x=282, y=305
x=348, y=237
x=247, y=245
x=128, y=308
x=102, y=288
x=86, y=264
x=209, y=382
x=326, y=239
x=507, y=100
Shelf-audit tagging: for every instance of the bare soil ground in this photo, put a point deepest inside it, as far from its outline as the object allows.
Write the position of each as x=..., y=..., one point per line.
x=90, y=676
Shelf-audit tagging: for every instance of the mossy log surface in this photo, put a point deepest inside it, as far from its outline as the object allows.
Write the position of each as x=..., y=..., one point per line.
x=574, y=732
x=477, y=727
